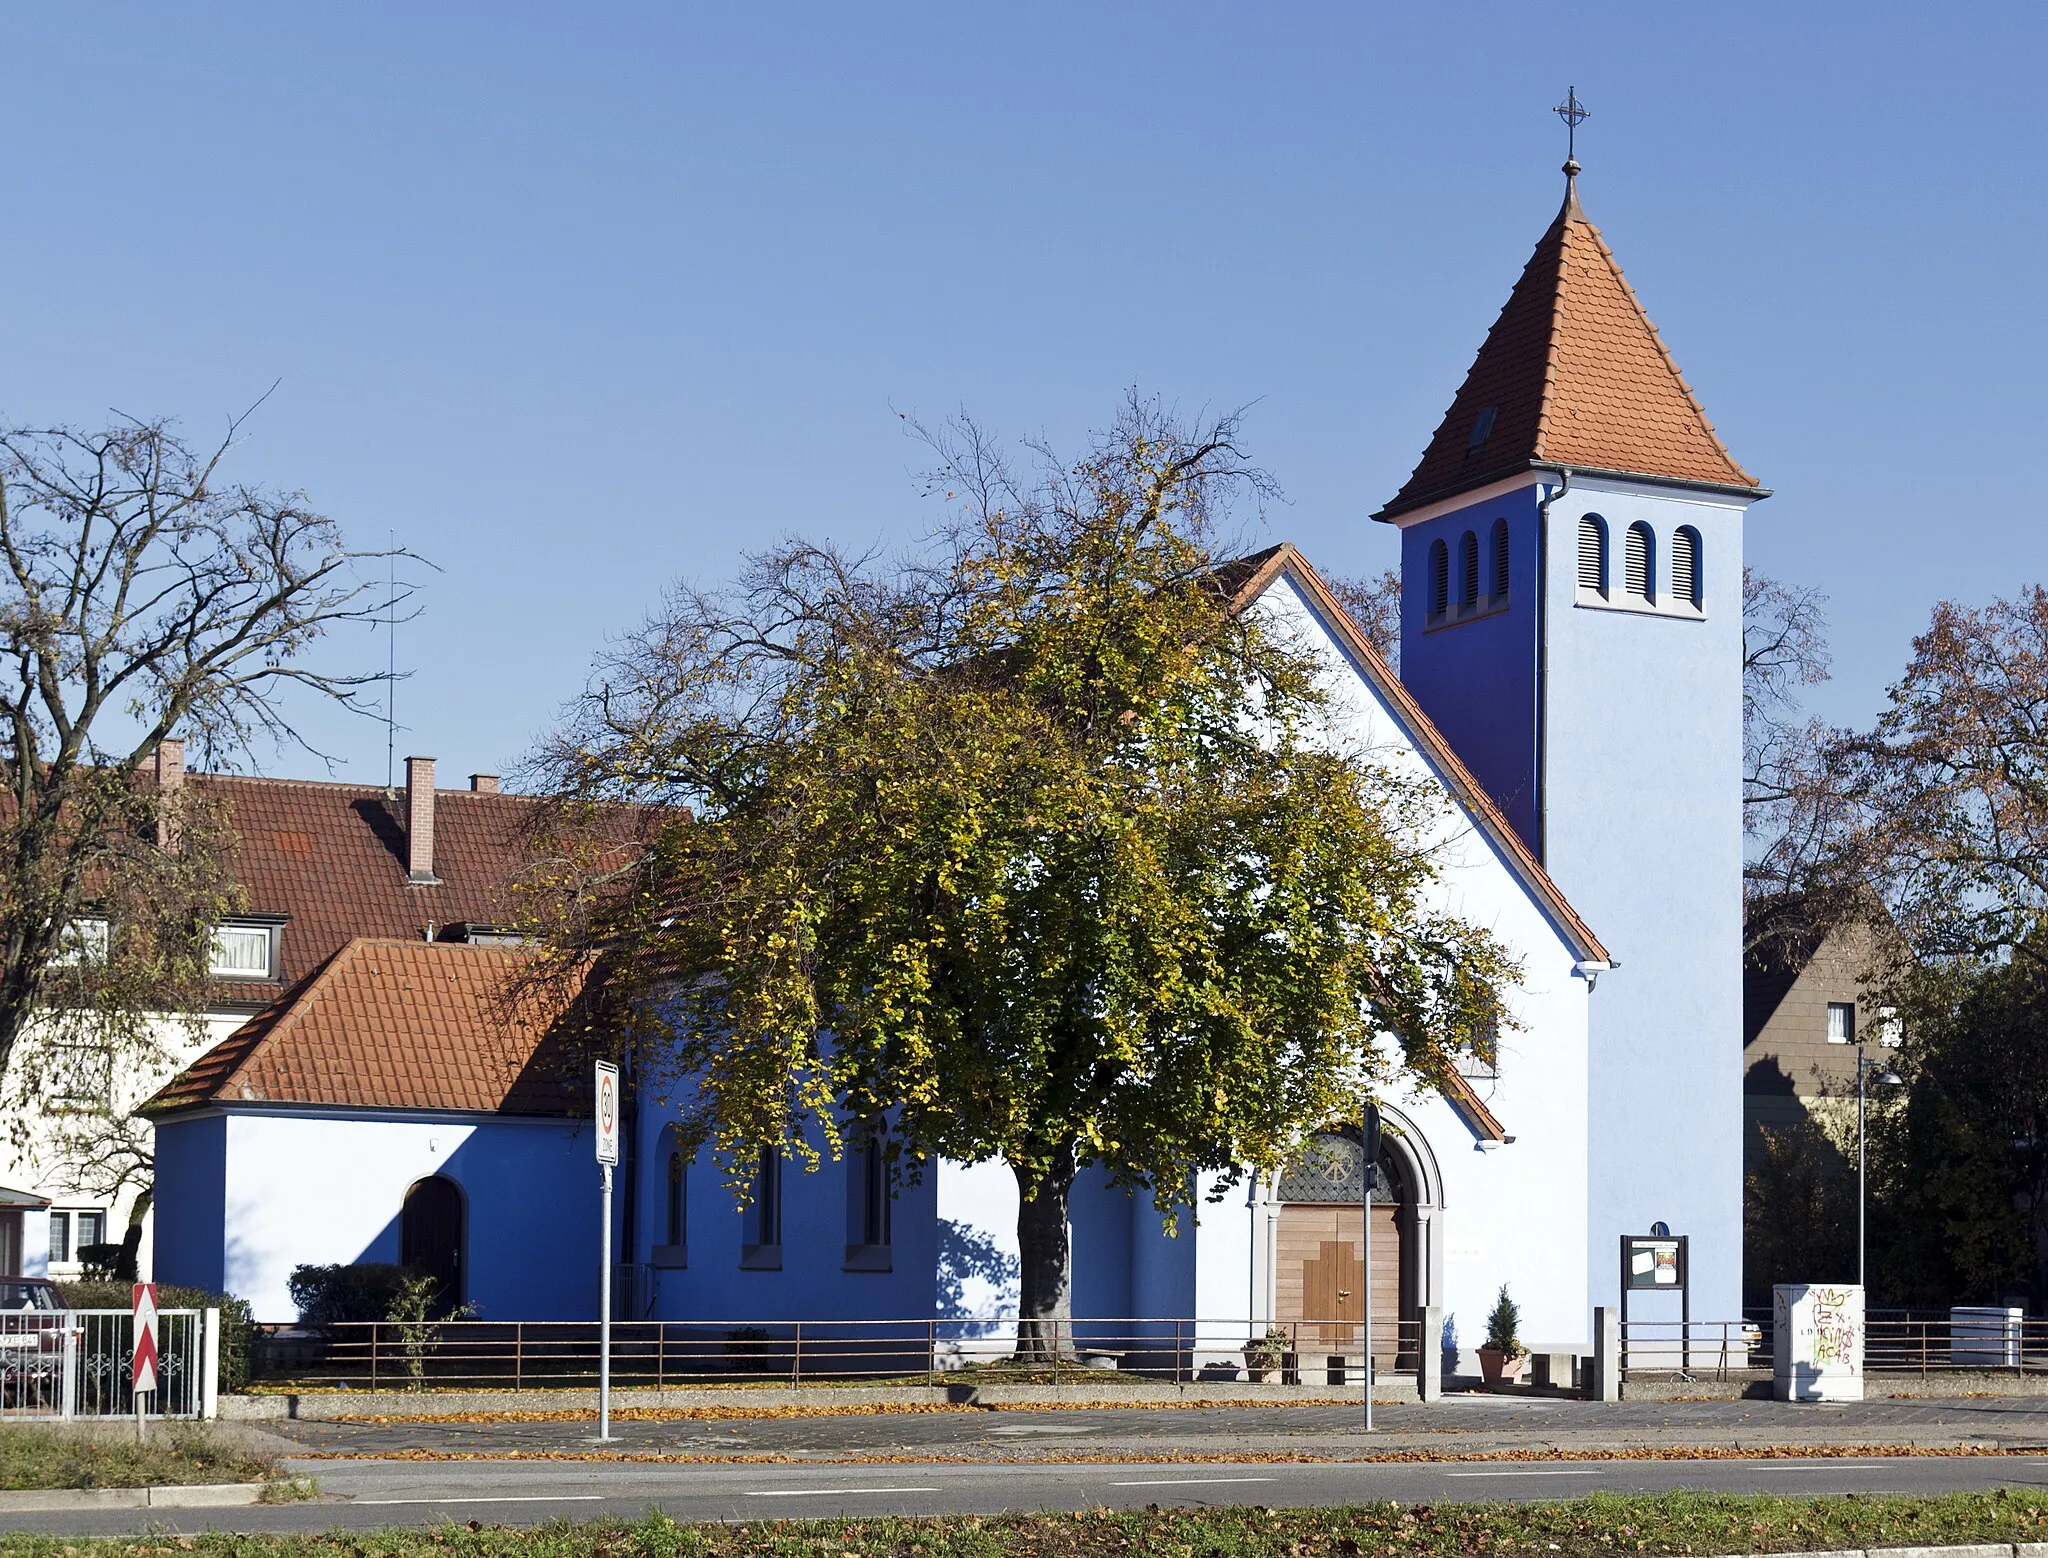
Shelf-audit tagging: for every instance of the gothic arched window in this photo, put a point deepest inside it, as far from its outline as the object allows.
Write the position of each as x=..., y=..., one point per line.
x=1500, y=559
x=1468, y=570
x=1439, y=579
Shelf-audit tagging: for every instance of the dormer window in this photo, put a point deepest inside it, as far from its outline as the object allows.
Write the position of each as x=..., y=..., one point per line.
x=244, y=950
x=1482, y=429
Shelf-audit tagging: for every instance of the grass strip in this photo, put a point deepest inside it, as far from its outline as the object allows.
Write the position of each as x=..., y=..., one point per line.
x=1607, y=1524
x=32, y=1456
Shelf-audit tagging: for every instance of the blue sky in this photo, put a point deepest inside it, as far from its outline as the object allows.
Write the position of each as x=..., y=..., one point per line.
x=576, y=300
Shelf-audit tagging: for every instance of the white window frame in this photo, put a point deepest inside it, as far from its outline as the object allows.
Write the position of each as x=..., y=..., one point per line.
x=85, y=940
x=221, y=968
x=1847, y=1010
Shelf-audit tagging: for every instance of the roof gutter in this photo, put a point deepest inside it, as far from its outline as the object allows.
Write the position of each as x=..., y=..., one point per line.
x=1542, y=713
x=1395, y=510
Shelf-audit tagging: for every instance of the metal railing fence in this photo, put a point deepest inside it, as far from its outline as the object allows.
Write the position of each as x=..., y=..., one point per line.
x=552, y=1354
x=1922, y=1342
x=77, y=1363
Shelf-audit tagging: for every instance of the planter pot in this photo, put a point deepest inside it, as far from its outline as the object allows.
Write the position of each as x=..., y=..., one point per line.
x=1261, y=1367
x=1497, y=1368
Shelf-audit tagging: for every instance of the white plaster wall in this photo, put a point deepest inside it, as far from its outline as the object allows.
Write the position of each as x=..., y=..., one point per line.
x=979, y=1200
x=316, y=1190
x=1516, y=1213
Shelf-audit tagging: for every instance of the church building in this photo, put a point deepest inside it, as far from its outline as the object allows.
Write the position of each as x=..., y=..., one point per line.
x=1570, y=683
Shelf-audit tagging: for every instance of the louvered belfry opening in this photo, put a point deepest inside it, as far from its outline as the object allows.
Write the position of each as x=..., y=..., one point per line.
x=1638, y=562
x=1439, y=579
x=1685, y=564
x=1592, y=554
x=1468, y=570
x=1500, y=559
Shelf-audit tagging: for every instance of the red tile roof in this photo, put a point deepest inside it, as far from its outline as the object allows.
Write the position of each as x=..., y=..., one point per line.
x=400, y=1025
x=1574, y=374
x=332, y=858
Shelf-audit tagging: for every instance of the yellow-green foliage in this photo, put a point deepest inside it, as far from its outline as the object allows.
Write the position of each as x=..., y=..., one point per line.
x=1031, y=841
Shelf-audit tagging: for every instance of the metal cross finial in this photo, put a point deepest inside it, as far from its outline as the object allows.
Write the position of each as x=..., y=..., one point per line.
x=1572, y=112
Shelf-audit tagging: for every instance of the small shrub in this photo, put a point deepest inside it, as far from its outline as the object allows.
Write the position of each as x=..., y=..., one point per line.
x=237, y=1322
x=336, y=1295
x=746, y=1349
x=1502, y=1324
x=1269, y=1351
x=413, y=1313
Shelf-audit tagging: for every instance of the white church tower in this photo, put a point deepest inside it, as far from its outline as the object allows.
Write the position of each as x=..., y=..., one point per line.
x=1571, y=562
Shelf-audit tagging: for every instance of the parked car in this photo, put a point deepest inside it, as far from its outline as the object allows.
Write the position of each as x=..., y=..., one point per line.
x=33, y=1321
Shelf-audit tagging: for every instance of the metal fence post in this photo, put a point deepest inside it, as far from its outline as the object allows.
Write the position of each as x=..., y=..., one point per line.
x=67, y=1391
x=1606, y=1354
x=209, y=1363
x=796, y=1356
x=931, y=1348
x=373, y=1355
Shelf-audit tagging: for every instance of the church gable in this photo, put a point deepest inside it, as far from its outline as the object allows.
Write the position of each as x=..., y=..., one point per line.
x=1400, y=718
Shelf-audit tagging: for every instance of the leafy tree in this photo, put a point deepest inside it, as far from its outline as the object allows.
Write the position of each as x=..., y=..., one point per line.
x=1955, y=782
x=1798, y=1210
x=1031, y=843
x=141, y=592
x=1375, y=606
x=1962, y=1165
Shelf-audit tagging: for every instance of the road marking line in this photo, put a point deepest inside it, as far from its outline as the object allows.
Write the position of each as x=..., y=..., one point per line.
x=496, y=1498
x=1590, y=1471
x=1819, y=1465
x=828, y=1492
x=1189, y=1482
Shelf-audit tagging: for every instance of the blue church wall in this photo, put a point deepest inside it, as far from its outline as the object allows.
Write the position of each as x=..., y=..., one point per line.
x=813, y=1279
x=190, y=1204
x=1475, y=674
x=1100, y=1214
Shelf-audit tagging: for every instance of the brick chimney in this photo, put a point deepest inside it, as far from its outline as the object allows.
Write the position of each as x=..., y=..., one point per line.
x=484, y=784
x=419, y=821
x=169, y=763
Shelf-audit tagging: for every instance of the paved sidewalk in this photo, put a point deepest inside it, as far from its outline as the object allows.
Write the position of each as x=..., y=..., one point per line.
x=1456, y=1426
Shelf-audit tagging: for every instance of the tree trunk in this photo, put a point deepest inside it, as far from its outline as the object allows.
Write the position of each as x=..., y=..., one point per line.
x=1045, y=1273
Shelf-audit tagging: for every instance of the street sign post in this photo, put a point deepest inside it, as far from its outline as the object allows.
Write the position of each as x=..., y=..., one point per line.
x=1368, y=1172
x=142, y=1366
x=607, y=1136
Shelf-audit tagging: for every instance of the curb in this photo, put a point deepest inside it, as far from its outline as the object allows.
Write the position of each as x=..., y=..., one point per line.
x=197, y=1495
x=327, y=1405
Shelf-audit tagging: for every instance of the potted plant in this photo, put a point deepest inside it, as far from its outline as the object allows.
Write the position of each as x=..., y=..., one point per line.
x=1502, y=1357
x=1266, y=1356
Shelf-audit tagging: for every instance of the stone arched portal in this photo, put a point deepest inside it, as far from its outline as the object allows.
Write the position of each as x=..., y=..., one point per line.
x=1316, y=1262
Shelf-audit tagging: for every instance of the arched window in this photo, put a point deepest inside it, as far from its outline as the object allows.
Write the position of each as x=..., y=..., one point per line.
x=1639, y=563
x=763, y=1230
x=1439, y=578
x=1685, y=565
x=1468, y=570
x=676, y=1218
x=1593, y=554
x=1500, y=559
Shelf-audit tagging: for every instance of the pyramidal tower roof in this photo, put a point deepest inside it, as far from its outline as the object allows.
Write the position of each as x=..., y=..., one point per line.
x=1571, y=374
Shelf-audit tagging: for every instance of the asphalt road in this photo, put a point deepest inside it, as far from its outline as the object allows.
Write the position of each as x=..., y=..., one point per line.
x=363, y=1494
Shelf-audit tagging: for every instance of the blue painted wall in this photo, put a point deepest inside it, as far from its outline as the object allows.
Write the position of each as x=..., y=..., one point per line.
x=190, y=1206
x=1641, y=825
x=1477, y=678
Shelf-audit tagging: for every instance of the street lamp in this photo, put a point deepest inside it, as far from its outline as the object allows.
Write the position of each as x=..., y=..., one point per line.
x=1867, y=1071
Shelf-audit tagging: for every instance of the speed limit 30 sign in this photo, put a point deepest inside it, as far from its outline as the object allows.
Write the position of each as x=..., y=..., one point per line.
x=607, y=1112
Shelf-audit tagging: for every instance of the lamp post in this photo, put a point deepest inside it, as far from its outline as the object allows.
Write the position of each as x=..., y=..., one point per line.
x=1867, y=1071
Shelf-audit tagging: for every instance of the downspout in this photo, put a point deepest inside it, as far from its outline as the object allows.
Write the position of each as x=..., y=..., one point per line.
x=1543, y=656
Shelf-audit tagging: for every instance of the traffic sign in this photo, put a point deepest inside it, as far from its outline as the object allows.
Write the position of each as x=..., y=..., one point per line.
x=607, y=1112
x=142, y=1368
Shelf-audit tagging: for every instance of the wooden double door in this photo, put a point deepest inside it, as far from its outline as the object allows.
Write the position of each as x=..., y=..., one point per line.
x=1319, y=1287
